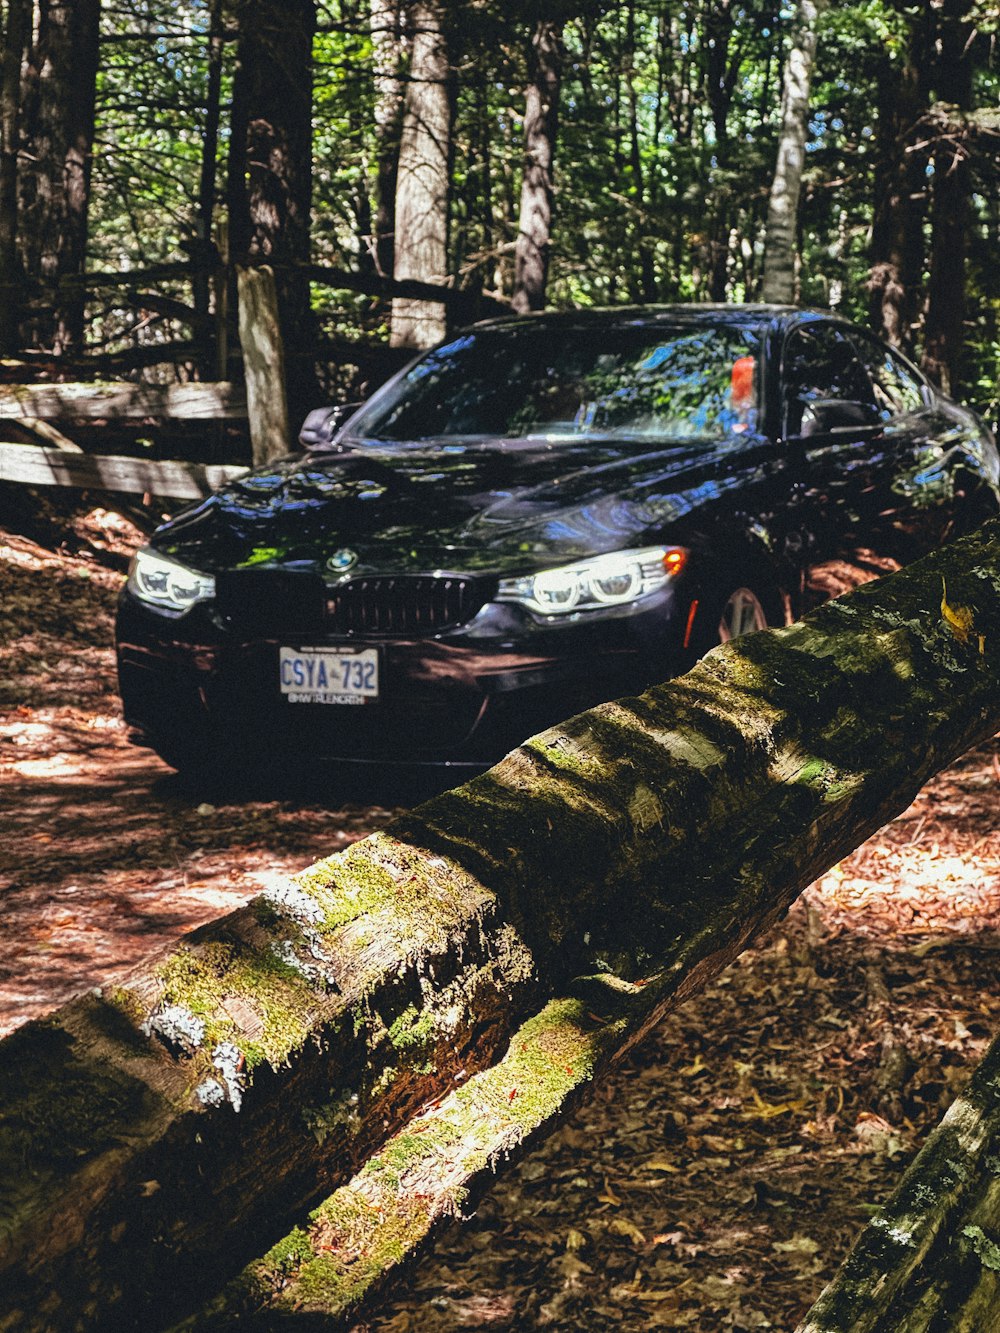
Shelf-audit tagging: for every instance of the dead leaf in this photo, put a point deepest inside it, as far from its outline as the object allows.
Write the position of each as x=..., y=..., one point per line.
x=661, y=1164
x=959, y=619
x=609, y=1196
x=798, y=1244
x=621, y=1226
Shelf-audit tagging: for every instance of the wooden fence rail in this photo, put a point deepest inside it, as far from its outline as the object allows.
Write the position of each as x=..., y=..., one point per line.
x=124, y=401
x=390, y=1026
x=106, y=472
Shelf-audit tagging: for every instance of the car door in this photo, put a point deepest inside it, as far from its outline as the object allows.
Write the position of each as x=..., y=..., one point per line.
x=831, y=427
x=926, y=455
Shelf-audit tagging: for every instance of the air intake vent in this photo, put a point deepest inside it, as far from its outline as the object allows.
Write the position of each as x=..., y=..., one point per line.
x=271, y=602
x=405, y=604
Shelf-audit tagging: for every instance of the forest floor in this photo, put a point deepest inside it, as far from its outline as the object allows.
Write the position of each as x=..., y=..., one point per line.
x=716, y=1180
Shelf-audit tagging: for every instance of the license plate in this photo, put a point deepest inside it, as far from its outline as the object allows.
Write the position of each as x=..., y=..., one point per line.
x=328, y=675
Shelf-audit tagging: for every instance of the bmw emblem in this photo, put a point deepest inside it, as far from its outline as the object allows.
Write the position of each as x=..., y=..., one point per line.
x=341, y=561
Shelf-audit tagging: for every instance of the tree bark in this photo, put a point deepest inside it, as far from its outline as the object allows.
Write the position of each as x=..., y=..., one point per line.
x=263, y=363
x=381, y=979
x=780, y=238
x=897, y=246
x=270, y=183
x=951, y=195
x=422, y=184
x=541, y=121
x=57, y=135
x=930, y=1261
x=15, y=41
x=428, y=1171
x=389, y=87
x=204, y=251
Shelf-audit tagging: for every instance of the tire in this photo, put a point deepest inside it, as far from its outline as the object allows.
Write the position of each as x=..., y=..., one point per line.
x=732, y=609
x=743, y=612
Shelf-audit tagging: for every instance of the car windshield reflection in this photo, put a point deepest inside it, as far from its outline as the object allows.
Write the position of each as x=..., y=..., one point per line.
x=522, y=384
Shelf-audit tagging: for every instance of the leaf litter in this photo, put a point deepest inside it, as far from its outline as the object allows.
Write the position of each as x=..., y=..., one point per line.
x=716, y=1180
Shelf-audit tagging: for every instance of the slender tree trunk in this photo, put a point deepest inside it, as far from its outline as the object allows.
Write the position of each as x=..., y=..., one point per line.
x=57, y=135
x=271, y=191
x=541, y=119
x=387, y=59
x=783, y=206
x=204, y=251
x=422, y=187
x=490, y=272
x=950, y=202
x=721, y=82
x=897, y=248
x=15, y=40
x=640, y=184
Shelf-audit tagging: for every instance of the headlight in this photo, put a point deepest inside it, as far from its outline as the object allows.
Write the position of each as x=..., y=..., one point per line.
x=600, y=580
x=165, y=583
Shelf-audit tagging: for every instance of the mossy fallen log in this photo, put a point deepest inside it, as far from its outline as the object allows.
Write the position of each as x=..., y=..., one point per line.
x=156, y=1137
x=929, y=1262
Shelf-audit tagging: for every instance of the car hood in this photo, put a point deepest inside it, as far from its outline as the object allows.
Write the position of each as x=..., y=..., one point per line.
x=471, y=506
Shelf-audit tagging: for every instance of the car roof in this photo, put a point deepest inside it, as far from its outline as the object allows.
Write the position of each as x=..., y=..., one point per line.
x=758, y=316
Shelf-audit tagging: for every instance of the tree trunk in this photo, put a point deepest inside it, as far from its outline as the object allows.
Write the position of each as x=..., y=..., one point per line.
x=607, y=868
x=930, y=1261
x=387, y=60
x=897, y=247
x=271, y=189
x=422, y=185
x=15, y=41
x=263, y=363
x=57, y=134
x=951, y=195
x=204, y=251
x=541, y=120
x=783, y=206
x=721, y=72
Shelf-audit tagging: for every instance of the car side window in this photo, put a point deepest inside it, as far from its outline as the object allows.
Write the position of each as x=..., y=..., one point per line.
x=898, y=388
x=819, y=364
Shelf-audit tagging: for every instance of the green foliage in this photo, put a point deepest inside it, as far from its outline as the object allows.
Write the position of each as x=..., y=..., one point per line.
x=667, y=140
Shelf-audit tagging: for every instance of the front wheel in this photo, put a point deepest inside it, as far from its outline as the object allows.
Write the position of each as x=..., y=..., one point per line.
x=729, y=610
x=742, y=613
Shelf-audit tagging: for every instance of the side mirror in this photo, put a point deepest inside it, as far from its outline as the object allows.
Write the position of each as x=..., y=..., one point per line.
x=323, y=423
x=828, y=416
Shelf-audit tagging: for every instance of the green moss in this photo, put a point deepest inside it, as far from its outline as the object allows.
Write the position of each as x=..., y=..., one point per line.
x=278, y=996
x=383, y=1083
x=402, y=1152
x=340, y=1113
x=562, y=753
x=813, y=769
x=412, y=1030
x=290, y=1253
x=352, y=1245
x=987, y=1250
x=127, y=1002
x=258, y=1284
x=265, y=913
x=348, y=886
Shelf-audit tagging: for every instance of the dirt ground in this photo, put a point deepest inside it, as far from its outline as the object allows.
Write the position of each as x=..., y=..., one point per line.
x=715, y=1182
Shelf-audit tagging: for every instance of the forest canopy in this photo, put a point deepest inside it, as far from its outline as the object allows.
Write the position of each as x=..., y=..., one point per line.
x=517, y=154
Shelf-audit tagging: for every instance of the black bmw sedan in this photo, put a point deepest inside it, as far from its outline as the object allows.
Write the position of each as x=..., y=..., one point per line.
x=540, y=514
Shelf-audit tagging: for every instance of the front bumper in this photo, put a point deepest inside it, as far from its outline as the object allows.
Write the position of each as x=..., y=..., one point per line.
x=193, y=690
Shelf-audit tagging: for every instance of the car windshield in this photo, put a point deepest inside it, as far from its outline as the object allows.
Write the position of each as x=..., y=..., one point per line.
x=551, y=382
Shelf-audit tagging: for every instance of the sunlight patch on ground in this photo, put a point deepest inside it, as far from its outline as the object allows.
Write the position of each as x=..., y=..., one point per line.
x=53, y=766
x=914, y=890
